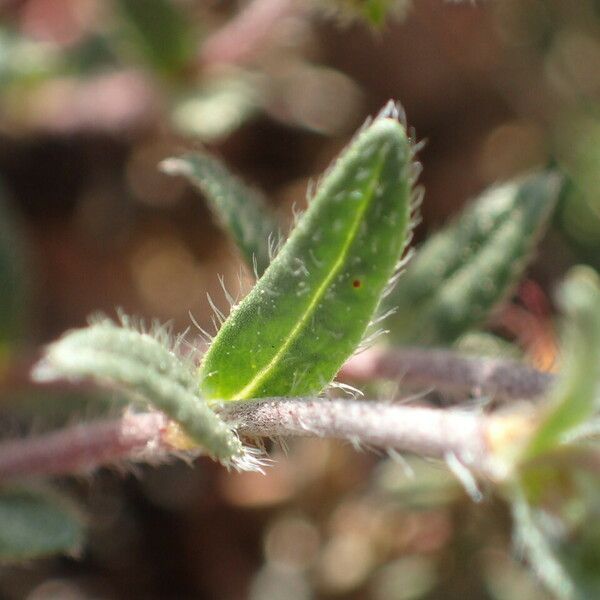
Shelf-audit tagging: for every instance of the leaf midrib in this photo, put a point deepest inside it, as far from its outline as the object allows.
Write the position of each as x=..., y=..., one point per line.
x=248, y=390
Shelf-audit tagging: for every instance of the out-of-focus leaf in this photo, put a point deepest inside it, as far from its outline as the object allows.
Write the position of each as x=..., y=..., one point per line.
x=311, y=308
x=37, y=523
x=461, y=273
x=218, y=108
x=241, y=210
x=13, y=277
x=160, y=31
x=578, y=153
x=408, y=578
x=534, y=543
x=23, y=60
x=578, y=548
x=576, y=395
x=375, y=12
x=482, y=343
x=555, y=509
x=417, y=483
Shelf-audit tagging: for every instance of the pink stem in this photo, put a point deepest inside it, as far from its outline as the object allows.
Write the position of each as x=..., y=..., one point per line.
x=84, y=447
x=447, y=371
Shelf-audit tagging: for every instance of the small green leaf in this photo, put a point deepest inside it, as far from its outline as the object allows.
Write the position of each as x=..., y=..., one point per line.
x=463, y=272
x=311, y=308
x=242, y=211
x=146, y=367
x=37, y=523
x=160, y=33
x=575, y=398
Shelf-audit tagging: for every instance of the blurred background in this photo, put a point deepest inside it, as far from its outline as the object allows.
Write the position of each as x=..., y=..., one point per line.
x=94, y=94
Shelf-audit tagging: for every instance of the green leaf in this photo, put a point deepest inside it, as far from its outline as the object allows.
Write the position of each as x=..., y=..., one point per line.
x=311, y=308
x=555, y=505
x=13, y=277
x=535, y=545
x=242, y=211
x=464, y=271
x=160, y=33
x=145, y=366
x=37, y=523
x=575, y=398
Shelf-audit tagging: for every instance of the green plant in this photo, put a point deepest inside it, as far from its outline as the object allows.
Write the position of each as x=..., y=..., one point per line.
x=318, y=298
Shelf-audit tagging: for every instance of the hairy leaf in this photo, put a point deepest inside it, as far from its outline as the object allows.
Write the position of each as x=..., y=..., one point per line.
x=461, y=273
x=311, y=308
x=35, y=524
x=148, y=368
x=242, y=211
x=576, y=395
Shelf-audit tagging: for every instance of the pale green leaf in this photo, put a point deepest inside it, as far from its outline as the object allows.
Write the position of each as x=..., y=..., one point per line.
x=534, y=544
x=464, y=271
x=575, y=398
x=147, y=367
x=241, y=210
x=37, y=523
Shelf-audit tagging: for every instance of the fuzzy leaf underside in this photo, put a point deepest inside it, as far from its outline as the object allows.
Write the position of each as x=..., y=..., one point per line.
x=311, y=308
x=144, y=367
x=576, y=395
x=35, y=524
x=242, y=211
x=464, y=271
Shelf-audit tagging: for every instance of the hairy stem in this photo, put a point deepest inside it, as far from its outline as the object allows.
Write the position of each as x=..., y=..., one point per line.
x=425, y=431
x=84, y=447
x=447, y=371
x=435, y=433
